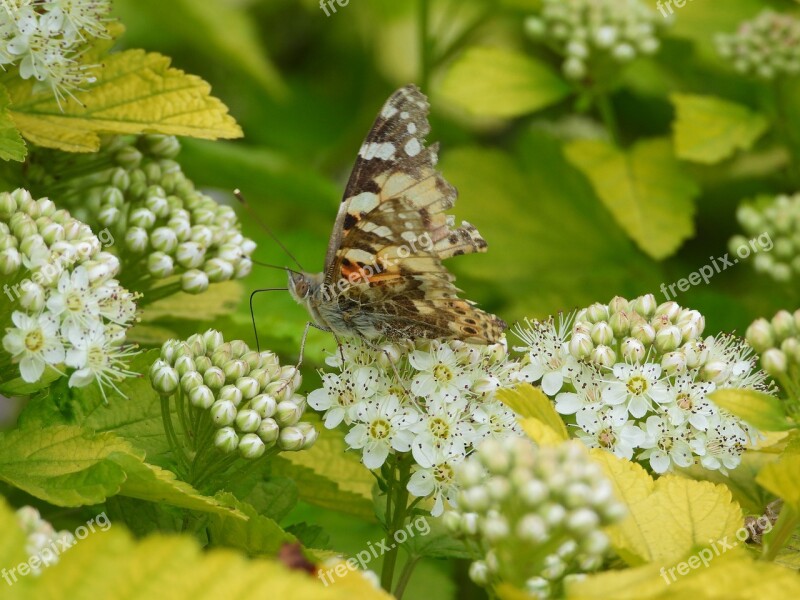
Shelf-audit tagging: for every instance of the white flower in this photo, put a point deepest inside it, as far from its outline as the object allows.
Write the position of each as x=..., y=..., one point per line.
x=35, y=342
x=340, y=394
x=605, y=430
x=635, y=387
x=691, y=404
x=548, y=358
x=383, y=425
x=666, y=444
x=721, y=446
x=588, y=391
x=443, y=427
x=440, y=373
x=494, y=419
x=72, y=302
x=437, y=479
x=96, y=358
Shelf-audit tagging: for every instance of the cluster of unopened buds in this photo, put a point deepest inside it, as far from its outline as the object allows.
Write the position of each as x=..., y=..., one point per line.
x=635, y=377
x=778, y=343
x=584, y=31
x=776, y=219
x=162, y=221
x=61, y=302
x=44, y=39
x=435, y=400
x=765, y=46
x=250, y=399
x=42, y=538
x=537, y=514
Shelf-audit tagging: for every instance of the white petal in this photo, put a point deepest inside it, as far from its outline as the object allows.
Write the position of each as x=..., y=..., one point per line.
x=421, y=484
x=552, y=382
x=375, y=455
x=659, y=461
x=31, y=368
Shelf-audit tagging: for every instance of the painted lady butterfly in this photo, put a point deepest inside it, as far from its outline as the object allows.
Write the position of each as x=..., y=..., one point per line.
x=383, y=274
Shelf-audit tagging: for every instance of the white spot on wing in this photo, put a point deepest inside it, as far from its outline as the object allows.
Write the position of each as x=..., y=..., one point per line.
x=404, y=115
x=383, y=151
x=412, y=128
x=388, y=111
x=413, y=147
x=363, y=202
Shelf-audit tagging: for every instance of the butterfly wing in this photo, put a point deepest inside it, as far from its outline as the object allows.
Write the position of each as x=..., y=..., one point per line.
x=392, y=233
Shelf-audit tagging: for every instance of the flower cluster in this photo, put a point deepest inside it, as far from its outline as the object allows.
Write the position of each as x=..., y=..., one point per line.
x=45, y=39
x=60, y=292
x=250, y=398
x=779, y=218
x=778, y=343
x=42, y=537
x=164, y=223
x=765, y=47
x=635, y=377
x=586, y=30
x=536, y=513
x=433, y=399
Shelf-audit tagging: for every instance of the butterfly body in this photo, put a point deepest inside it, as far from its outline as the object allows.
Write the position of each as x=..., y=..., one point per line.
x=384, y=276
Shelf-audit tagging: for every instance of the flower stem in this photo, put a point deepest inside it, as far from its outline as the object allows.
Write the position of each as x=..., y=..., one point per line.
x=424, y=45
x=405, y=576
x=398, y=518
x=606, y=110
x=777, y=538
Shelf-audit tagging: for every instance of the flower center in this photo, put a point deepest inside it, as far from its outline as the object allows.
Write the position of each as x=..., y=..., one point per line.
x=379, y=429
x=685, y=401
x=607, y=438
x=665, y=443
x=34, y=340
x=443, y=473
x=74, y=302
x=442, y=373
x=439, y=427
x=637, y=385
x=95, y=358
x=346, y=398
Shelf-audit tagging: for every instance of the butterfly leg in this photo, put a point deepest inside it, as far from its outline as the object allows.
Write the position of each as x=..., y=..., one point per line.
x=309, y=324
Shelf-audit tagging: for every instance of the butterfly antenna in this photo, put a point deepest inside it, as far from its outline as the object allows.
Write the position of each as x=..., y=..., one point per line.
x=264, y=226
x=279, y=267
x=253, y=315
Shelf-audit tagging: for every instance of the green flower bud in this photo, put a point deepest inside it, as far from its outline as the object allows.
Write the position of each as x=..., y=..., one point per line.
x=109, y=216
x=248, y=386
x=128, y=157
x=214, y=378
x=620, y=323
x=120, y=179
x=160, y=265
x=231, y=393
x=248, y=420
x=32, y=297
x=218, y=270
x=668, y=339
x=194, y=281
x=287, y=413
x=163, y=378
x=644, y=332
x=253, y=360
x=161, y=146
x=226, y=439
x=191, y=380
x=190, y=255
x=251, y=446
x=269, y=431
x=783, y=325
x=201, y=397
x=774, y=362
x=202, y=364
x=137, y=240
x=10, y=261
x=264, y=404
x=164, y=239
x=760, y=336
x=645, y=305
x=310, y=434
x=633, y=351
x=239, y=348
x=290, y=439
x=234, y=369
x=223, y=413
x=184, y=364
x=213, y=339
x=221, y=355
x=8, y=205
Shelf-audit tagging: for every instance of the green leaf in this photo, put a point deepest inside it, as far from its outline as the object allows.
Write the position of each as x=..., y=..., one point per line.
x=135, y=92
x=12, y=146
x=780, y=477
x=554, y=244
x=763, y=411
x=256, y=535
x=708, y=129
x=498, y=82
x=64, y=465
x=644, y=188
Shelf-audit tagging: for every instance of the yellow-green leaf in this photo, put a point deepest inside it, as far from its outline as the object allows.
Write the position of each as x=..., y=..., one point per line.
x=112, y=565
x=644, y=188
x=12, y=146
x=667, y=517
x=762, y=411
x=498, y=82
x=731, y=575
x=708, y=129
x=538, y=418
x=135, y=92
x=220, y=299
x=781, y=477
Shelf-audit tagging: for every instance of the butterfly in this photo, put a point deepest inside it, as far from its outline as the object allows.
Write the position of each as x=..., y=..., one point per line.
x=383, y=276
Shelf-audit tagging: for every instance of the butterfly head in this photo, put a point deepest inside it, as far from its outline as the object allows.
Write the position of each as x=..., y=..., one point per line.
x=302, y=286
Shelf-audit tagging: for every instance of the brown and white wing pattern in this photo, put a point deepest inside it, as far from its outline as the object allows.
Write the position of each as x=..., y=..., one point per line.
x=392, y=233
